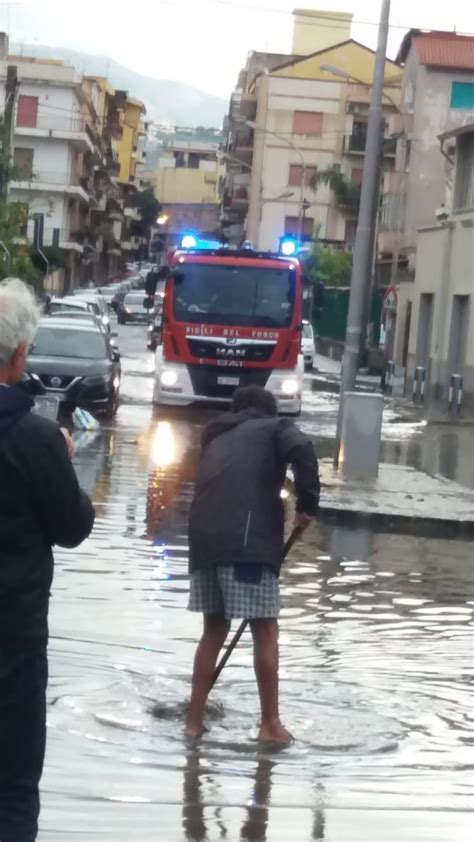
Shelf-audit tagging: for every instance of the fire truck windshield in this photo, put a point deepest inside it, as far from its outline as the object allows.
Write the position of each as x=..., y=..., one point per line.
x=241, y=295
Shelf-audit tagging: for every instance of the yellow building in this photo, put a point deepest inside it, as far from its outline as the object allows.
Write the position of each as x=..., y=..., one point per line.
x=187, y=186
x=133, y=128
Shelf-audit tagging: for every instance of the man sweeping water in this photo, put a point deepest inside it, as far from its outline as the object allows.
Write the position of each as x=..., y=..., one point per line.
x=236, y=540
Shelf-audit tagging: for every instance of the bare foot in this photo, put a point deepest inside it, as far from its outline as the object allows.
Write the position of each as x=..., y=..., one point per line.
x=193, y=731
x=274, y=733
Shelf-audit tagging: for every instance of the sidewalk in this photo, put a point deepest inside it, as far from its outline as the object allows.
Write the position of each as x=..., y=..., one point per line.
x=401, y=498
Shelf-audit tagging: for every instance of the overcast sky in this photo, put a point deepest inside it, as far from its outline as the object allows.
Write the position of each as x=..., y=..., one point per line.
x=205, y=42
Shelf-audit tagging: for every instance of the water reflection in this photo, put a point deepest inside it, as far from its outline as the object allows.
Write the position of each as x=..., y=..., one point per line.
x=200, y=780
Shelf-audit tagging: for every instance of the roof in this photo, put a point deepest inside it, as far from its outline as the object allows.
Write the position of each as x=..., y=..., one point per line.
x=468, y=128
x=440, y=49
x=334, y=54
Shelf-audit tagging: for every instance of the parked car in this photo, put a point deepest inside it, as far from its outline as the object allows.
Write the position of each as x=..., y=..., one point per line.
x=74, y=361
x=82, y=316
x=307, y=345
x=132, y=309
x=68, y=303
x=153, y=334
x=98, y=304
x=108, y=293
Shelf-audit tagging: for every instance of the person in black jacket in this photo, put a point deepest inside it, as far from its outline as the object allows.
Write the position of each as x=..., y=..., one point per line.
x=236, y=540
x=41, y=505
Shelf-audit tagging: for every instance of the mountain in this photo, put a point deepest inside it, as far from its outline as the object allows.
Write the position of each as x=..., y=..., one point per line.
x=165, y=100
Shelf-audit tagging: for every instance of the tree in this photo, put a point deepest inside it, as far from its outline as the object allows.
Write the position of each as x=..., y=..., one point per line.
x=331, y=267
x=150, y=209
x=346, y=193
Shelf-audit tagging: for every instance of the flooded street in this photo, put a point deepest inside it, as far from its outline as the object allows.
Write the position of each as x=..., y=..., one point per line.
x=376, y=660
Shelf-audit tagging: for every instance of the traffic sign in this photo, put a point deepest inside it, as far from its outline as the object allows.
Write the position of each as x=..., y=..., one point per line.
x=390, y=300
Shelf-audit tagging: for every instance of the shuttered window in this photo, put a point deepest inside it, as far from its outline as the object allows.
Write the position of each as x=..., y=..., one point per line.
x=307, y=122
x=27, y=111
x=296, y=175
x=462, y=95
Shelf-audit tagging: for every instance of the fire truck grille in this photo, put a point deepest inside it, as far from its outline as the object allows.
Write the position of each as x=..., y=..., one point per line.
x=251, y=351
x=205, y=379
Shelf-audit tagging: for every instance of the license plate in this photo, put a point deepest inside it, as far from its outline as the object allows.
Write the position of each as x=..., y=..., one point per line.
x=228, y=381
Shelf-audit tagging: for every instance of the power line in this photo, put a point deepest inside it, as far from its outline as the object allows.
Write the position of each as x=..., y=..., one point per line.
x=333, y=22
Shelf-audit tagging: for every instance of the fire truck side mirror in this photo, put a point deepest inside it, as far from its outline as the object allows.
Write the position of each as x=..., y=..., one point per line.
x=163, y=273
x=178, y=277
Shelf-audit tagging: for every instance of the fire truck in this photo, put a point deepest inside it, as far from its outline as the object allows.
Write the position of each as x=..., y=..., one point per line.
x=231, y=318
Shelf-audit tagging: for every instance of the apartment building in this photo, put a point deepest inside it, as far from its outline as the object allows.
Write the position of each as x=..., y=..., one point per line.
x=439, y=323
x=292, y=121
x=187, y=186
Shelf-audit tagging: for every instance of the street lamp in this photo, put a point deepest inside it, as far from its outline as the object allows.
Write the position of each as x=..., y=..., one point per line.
x=226, y=157
x=343, y=74
x=286, y=195
x=290, y=143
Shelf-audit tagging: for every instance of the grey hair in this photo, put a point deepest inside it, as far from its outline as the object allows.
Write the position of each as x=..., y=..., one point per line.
x=19, y=315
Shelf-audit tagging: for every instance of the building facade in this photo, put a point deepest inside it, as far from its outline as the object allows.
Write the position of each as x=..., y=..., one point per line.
x=437, y=98
x=294, y=121
x=441, y=307
x=187, y=186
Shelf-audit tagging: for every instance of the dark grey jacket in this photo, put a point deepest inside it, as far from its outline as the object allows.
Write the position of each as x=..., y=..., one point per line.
x=237, y=513
x=41, y=504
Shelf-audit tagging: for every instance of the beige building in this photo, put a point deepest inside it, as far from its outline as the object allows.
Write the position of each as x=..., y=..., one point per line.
x=291, y=120
x=441, y=338
x=437, y=97
x=187, y=185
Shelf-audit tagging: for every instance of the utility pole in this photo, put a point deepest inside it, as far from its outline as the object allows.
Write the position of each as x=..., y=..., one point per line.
x=10, y=97
x=363, y=241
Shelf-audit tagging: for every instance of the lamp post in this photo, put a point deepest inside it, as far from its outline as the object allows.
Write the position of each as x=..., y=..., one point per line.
x=363, y=239
x=292, y=146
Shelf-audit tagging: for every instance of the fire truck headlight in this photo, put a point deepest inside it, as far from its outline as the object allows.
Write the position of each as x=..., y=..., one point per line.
x=289, y=386
x=169, y=378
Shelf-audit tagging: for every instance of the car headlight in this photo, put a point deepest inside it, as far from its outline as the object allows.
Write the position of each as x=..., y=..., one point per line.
x=105, y=320
x=289, y=386
x=116, y=381
x=169, y=378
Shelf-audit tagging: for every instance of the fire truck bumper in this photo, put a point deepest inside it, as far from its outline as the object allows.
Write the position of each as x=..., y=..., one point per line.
x=176, y=385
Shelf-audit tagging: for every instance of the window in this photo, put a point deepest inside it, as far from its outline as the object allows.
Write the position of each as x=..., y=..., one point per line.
x=249, y=296
x=292, y=226
x=307, y=122
x=194, y=160
x=296, y=175
x=23, y=163
x=179, y=158
x=464, y=185
x=27, y=111
x=356, y=175
x=462, y=95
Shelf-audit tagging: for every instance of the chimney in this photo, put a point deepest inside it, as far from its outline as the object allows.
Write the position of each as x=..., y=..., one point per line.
x=318, y=30
x=3, y=46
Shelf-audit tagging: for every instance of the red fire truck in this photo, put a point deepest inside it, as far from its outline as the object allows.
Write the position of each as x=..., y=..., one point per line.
x=230, y=319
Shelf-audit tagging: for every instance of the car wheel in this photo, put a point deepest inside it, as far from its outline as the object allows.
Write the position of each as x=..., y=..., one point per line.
x=120, y=320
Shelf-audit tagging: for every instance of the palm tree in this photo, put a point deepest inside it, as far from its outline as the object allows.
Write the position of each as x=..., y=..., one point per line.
x=346, y=193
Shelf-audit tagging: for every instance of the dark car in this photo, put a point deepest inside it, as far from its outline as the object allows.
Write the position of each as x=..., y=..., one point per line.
x=75, y=362
x=132, y=309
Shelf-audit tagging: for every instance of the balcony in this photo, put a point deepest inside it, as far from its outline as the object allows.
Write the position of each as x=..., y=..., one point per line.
x=60, y=127
x=54, y=182
x=355, y=143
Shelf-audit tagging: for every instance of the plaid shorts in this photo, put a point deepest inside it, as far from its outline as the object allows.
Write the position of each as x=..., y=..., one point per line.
x=217, y=591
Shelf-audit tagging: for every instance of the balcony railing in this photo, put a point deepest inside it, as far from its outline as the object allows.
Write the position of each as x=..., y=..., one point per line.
x=53, y=177
x=355, y=143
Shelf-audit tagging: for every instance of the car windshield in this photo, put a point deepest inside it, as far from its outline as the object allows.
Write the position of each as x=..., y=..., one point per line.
x=134, y=299
x=242, y=295
x=307, y=331
x=68, y=342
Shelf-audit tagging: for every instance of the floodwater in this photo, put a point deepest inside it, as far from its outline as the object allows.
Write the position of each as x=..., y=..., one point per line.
x=376, y=668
